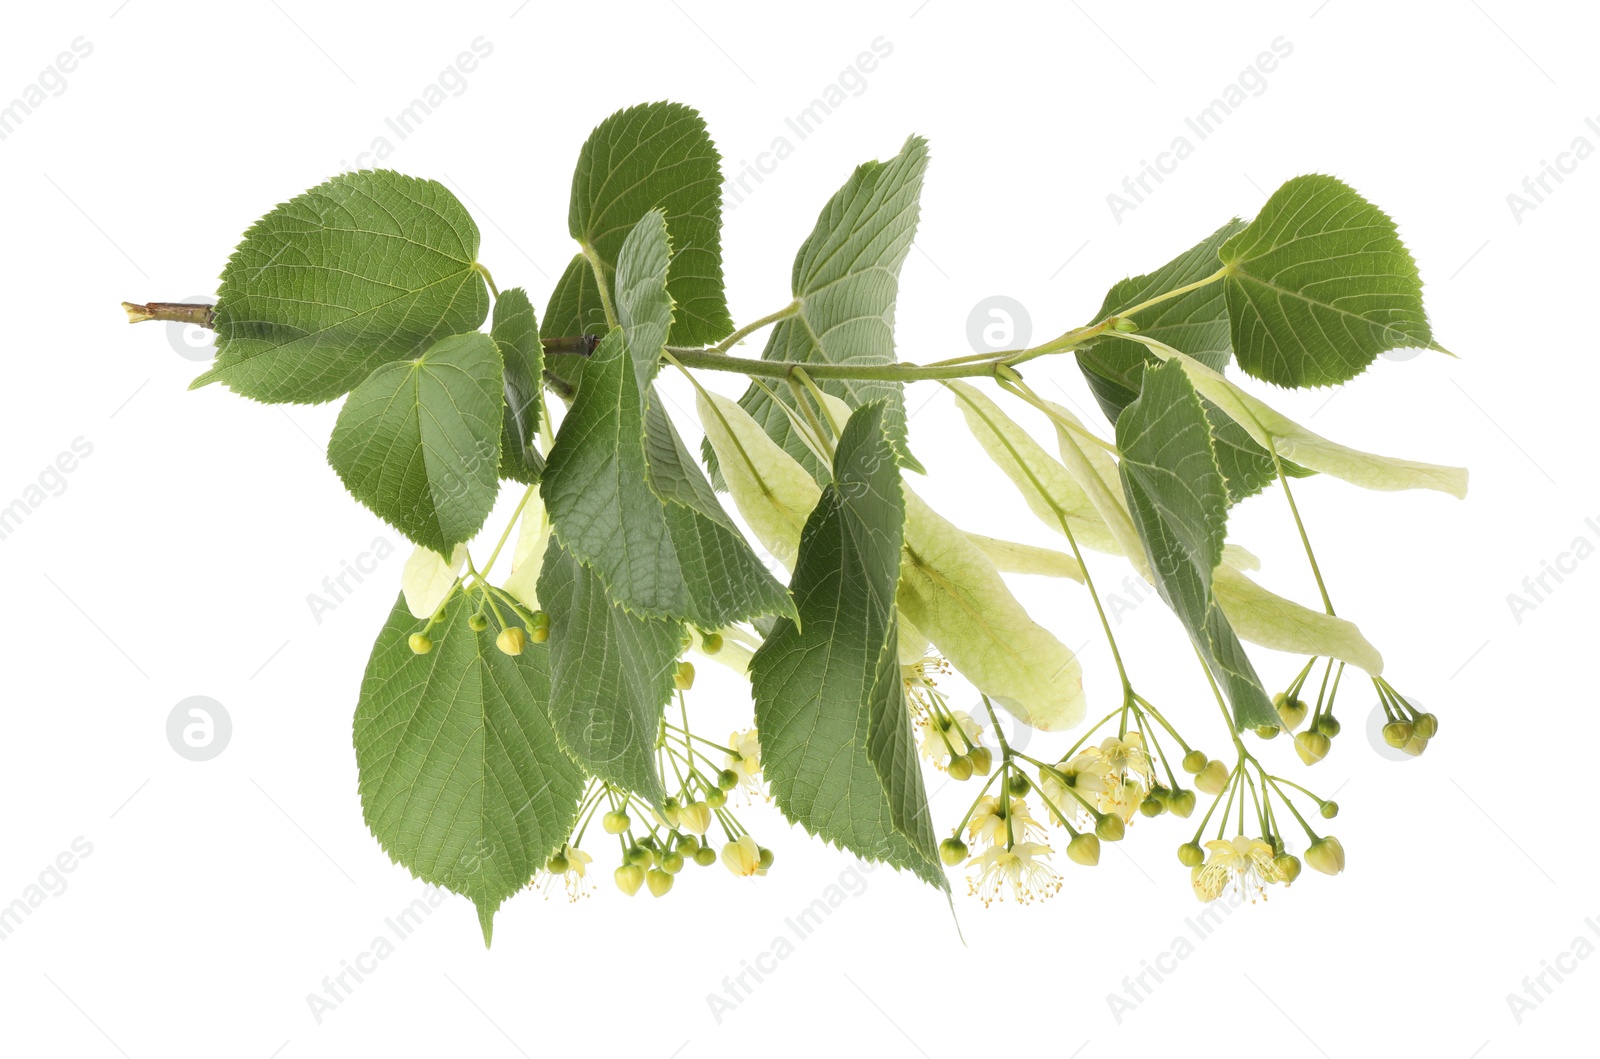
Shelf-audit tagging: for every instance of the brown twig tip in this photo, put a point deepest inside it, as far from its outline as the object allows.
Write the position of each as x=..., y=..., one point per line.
x=174, y=312
x=572, y=345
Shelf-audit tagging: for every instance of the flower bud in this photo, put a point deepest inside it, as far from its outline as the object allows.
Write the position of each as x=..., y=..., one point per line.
x=1181, y=803
x=1291, y=712
x=1190, y=855
x=1018, y=785
x=671, y=863
x=742, y=856
x=1415, y=745
x=670, y=811
x=687, y=844
x=1329, y=725
x=1326, y=855
x=683, y=679
x=1084, y=849
x=1289, y=865
x=1267, y=731
x=556, y=864
x=727, y=779
x=960, y=768
x=420, y=644
x=1426, y=726
x=1213, y=779
x=982, y=760
x=705, y=856
x=1311, y=746
x=1110, y=827
x=629, y=878
x=716, y=798
x=658, y=881
x=511, y=640
x=615, y=822
x=639, y=855
x=1194, y=761
x=696, y=817
x=710, y=643
x=1397, y=733
x=539, y=620
x=1125, y=325
x=1152, y=806
x=1330, y=810
x=952, y=851
x=539, y=635
x=766, y=858
x=477, y=623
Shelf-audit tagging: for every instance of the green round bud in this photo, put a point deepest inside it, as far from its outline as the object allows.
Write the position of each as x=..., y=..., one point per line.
x=727, y=779
x=1312, y=746
x=982, y=760
x=511, y=640
x=705, y=856
x=1415, y=745
x=539, y=620
x=1213, y=779
x=1290, y=712
x=1152, y=806
x=960, y=767
x=1126, y=325
x=1330, y=810
x=1018, y=785
x=1267, y=731
x=765, y=859
x=1110, y=827
x=952, y=851
x=615, y=822
x=420, y=644
x=687, y=844
x=1181, y=803
x=716, y=797
x=672, y=862
x=711, y=642
x=1326, y=855
x=1329, y=725
x=477, y=622
x=1194, y=761
x=556, y=865
x=1084, y=849
x=1426, y=726
x=1190, y=855
x=640, y=856
x=658, y=881
x=539, y=635
x=1397, y=733
x=683, y=679
x=1289, y=865
x=629, y=878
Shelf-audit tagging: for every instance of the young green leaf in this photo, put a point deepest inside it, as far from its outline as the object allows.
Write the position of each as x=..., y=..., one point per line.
x=368, y=268
x=845, y=281
x=419, y=441
x=836, y=743
x=956, y=596
x=462, y=779
x=1318, y=285
x=610, y=674
x=1179, y=504
x=657, y=156
x=516, y=332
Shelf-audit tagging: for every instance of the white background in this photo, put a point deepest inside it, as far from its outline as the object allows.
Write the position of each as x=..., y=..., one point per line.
x=178, y=559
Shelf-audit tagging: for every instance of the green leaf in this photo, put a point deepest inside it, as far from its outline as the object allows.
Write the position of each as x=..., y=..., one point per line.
x=954, y=593
x=1179, y=504
x=462, y=779
x=846, y=278
x=1196, y=323
x=624, y=495
x=610, y=672
x=516, y=332
x=1318, y=285
x=658, y=156
x=368, y=268
x=419, y=441
x=836, y=742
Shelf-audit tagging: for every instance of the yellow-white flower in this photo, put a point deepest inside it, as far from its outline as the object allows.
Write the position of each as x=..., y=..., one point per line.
x=940, y=744
x=748, y=762
x=575, y=877
x=1249, y=861
x=1127, y=756
x=742, y=856
x=1085, y=775
x=1023, y=868
x=988, y=825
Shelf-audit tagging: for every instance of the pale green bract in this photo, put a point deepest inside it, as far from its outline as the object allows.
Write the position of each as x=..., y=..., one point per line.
x=428, y=578
x=1318, y=285
x=419, y=441
x=367, y=268
x=461, y=776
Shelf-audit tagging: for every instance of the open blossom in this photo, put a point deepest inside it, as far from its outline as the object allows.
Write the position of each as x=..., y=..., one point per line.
x=1247, y=861
x=987, y=827
x=1127, y=757
x=940, y=744
x=574, y=876
x=748, y=762
x=1023, y=868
